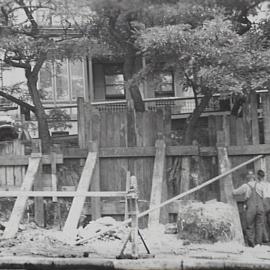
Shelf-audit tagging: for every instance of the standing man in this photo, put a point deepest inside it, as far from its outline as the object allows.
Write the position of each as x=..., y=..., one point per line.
x=254, y=193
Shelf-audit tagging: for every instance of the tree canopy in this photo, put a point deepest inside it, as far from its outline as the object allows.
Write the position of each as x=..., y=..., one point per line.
x=28, y=40
x=211, y=43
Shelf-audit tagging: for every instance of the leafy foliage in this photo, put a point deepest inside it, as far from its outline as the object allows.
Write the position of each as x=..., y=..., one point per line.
x=28, y=40
x=58, y=119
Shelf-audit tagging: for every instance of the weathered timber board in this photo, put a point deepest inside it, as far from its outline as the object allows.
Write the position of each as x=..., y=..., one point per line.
x=78, y=202
x=20, y=204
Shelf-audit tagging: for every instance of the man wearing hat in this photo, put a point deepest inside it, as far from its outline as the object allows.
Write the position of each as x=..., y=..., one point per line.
x=254, y=194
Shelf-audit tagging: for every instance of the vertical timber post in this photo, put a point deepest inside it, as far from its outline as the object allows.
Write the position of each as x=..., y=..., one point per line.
x=157, y=181
x=57, y=205
x=131, y=133
x=226, y=184
x=32, y=172
x=78, y=201
x=133, y=210
x=81, y=122
x=38, y=185
x=266, y=125
x=95, y=184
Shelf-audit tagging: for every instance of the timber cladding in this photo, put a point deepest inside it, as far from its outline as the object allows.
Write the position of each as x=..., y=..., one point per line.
x=125, y=129
x=120, y=129
x=127, y=143
x=11, y=176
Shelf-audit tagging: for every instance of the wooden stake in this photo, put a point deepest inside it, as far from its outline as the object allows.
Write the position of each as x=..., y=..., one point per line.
x=127, y=188
x=78, y=202
x=158, y=177
x=179, y=196
x=38, y=185
x=226, y=186
x=20, y=204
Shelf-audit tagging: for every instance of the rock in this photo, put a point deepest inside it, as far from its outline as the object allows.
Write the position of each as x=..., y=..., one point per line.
x=103, y=224
x=106, y=221
x=171, y=228
x=205, y=223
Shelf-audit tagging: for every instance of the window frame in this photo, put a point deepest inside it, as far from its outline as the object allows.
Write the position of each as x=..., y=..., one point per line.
x=70, y=99
x=114, y=96
x=162, y=93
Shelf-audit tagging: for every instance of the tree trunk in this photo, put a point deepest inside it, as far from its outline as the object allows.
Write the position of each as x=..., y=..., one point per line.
x=193, y=119
x=188, y=139
x=133, y=90
x=43, y=127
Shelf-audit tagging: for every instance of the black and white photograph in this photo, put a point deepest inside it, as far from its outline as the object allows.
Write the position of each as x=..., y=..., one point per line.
x=135, y=134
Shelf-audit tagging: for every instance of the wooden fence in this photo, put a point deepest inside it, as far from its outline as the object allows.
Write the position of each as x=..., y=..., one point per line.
x=11, y=176
x=129, y=142
x=126, y=143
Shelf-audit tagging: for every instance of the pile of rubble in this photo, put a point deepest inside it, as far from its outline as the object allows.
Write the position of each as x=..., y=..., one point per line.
x=112, y=229
x=205, y=222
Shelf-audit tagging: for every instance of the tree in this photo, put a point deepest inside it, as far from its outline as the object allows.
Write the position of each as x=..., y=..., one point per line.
x=27, y=44
x=189, y=34
x=213, y=59
x=116, y=24
x=217, y=55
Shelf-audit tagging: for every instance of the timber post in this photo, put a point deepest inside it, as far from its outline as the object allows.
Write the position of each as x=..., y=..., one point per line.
x=78, y=202
x=57, y=205
x=32, y=174
x=226, y=186
x=157, y=180
x=266, y=125
x=133, y=211
x=95, y=183
x=38, y=185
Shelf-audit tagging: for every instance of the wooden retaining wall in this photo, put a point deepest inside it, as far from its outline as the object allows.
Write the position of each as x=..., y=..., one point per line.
x=11, y=176
x=118, y=130
x=126, y=143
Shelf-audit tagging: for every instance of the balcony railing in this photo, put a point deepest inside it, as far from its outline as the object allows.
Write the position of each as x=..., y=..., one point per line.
x=178, y=105
x=111, y=106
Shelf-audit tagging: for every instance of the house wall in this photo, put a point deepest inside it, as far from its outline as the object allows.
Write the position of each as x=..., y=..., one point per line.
x=98, y=79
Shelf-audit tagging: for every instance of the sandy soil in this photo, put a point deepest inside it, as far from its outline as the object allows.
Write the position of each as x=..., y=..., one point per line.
x=34, y=241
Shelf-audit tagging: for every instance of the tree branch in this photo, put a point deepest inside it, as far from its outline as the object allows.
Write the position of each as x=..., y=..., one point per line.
x=41, y=59
x=18, y=101
x=194, y=88
x=12, y=63
x=29, y=15
x=5, y=14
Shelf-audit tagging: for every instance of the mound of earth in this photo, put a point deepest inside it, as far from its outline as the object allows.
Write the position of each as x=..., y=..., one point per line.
x=205, y=222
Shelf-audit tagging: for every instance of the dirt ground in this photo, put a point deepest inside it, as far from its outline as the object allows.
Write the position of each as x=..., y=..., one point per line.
x=34, y=241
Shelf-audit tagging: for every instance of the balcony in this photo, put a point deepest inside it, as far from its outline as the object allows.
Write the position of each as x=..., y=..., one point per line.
x=178, y=105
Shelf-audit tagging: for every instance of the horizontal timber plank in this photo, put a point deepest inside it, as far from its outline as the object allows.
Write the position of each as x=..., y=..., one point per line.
x=149, y=151
x=259, y=149
x=16, y=160
x=63, y=193
x=122, y=152
x=118, y=207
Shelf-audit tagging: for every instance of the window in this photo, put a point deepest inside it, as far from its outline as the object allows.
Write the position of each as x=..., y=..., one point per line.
x=165, y=87
x=62, y=81
x=114, y=82
x=62, y=15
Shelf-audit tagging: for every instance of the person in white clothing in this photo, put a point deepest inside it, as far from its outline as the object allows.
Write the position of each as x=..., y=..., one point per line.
x=254, y=194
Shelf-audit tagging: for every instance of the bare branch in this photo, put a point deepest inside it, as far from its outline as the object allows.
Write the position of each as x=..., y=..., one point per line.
x=29, y=15
x=194, y=88
x=40, y=60
x=18, y=101
x=10, y=61
x=5, y=14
